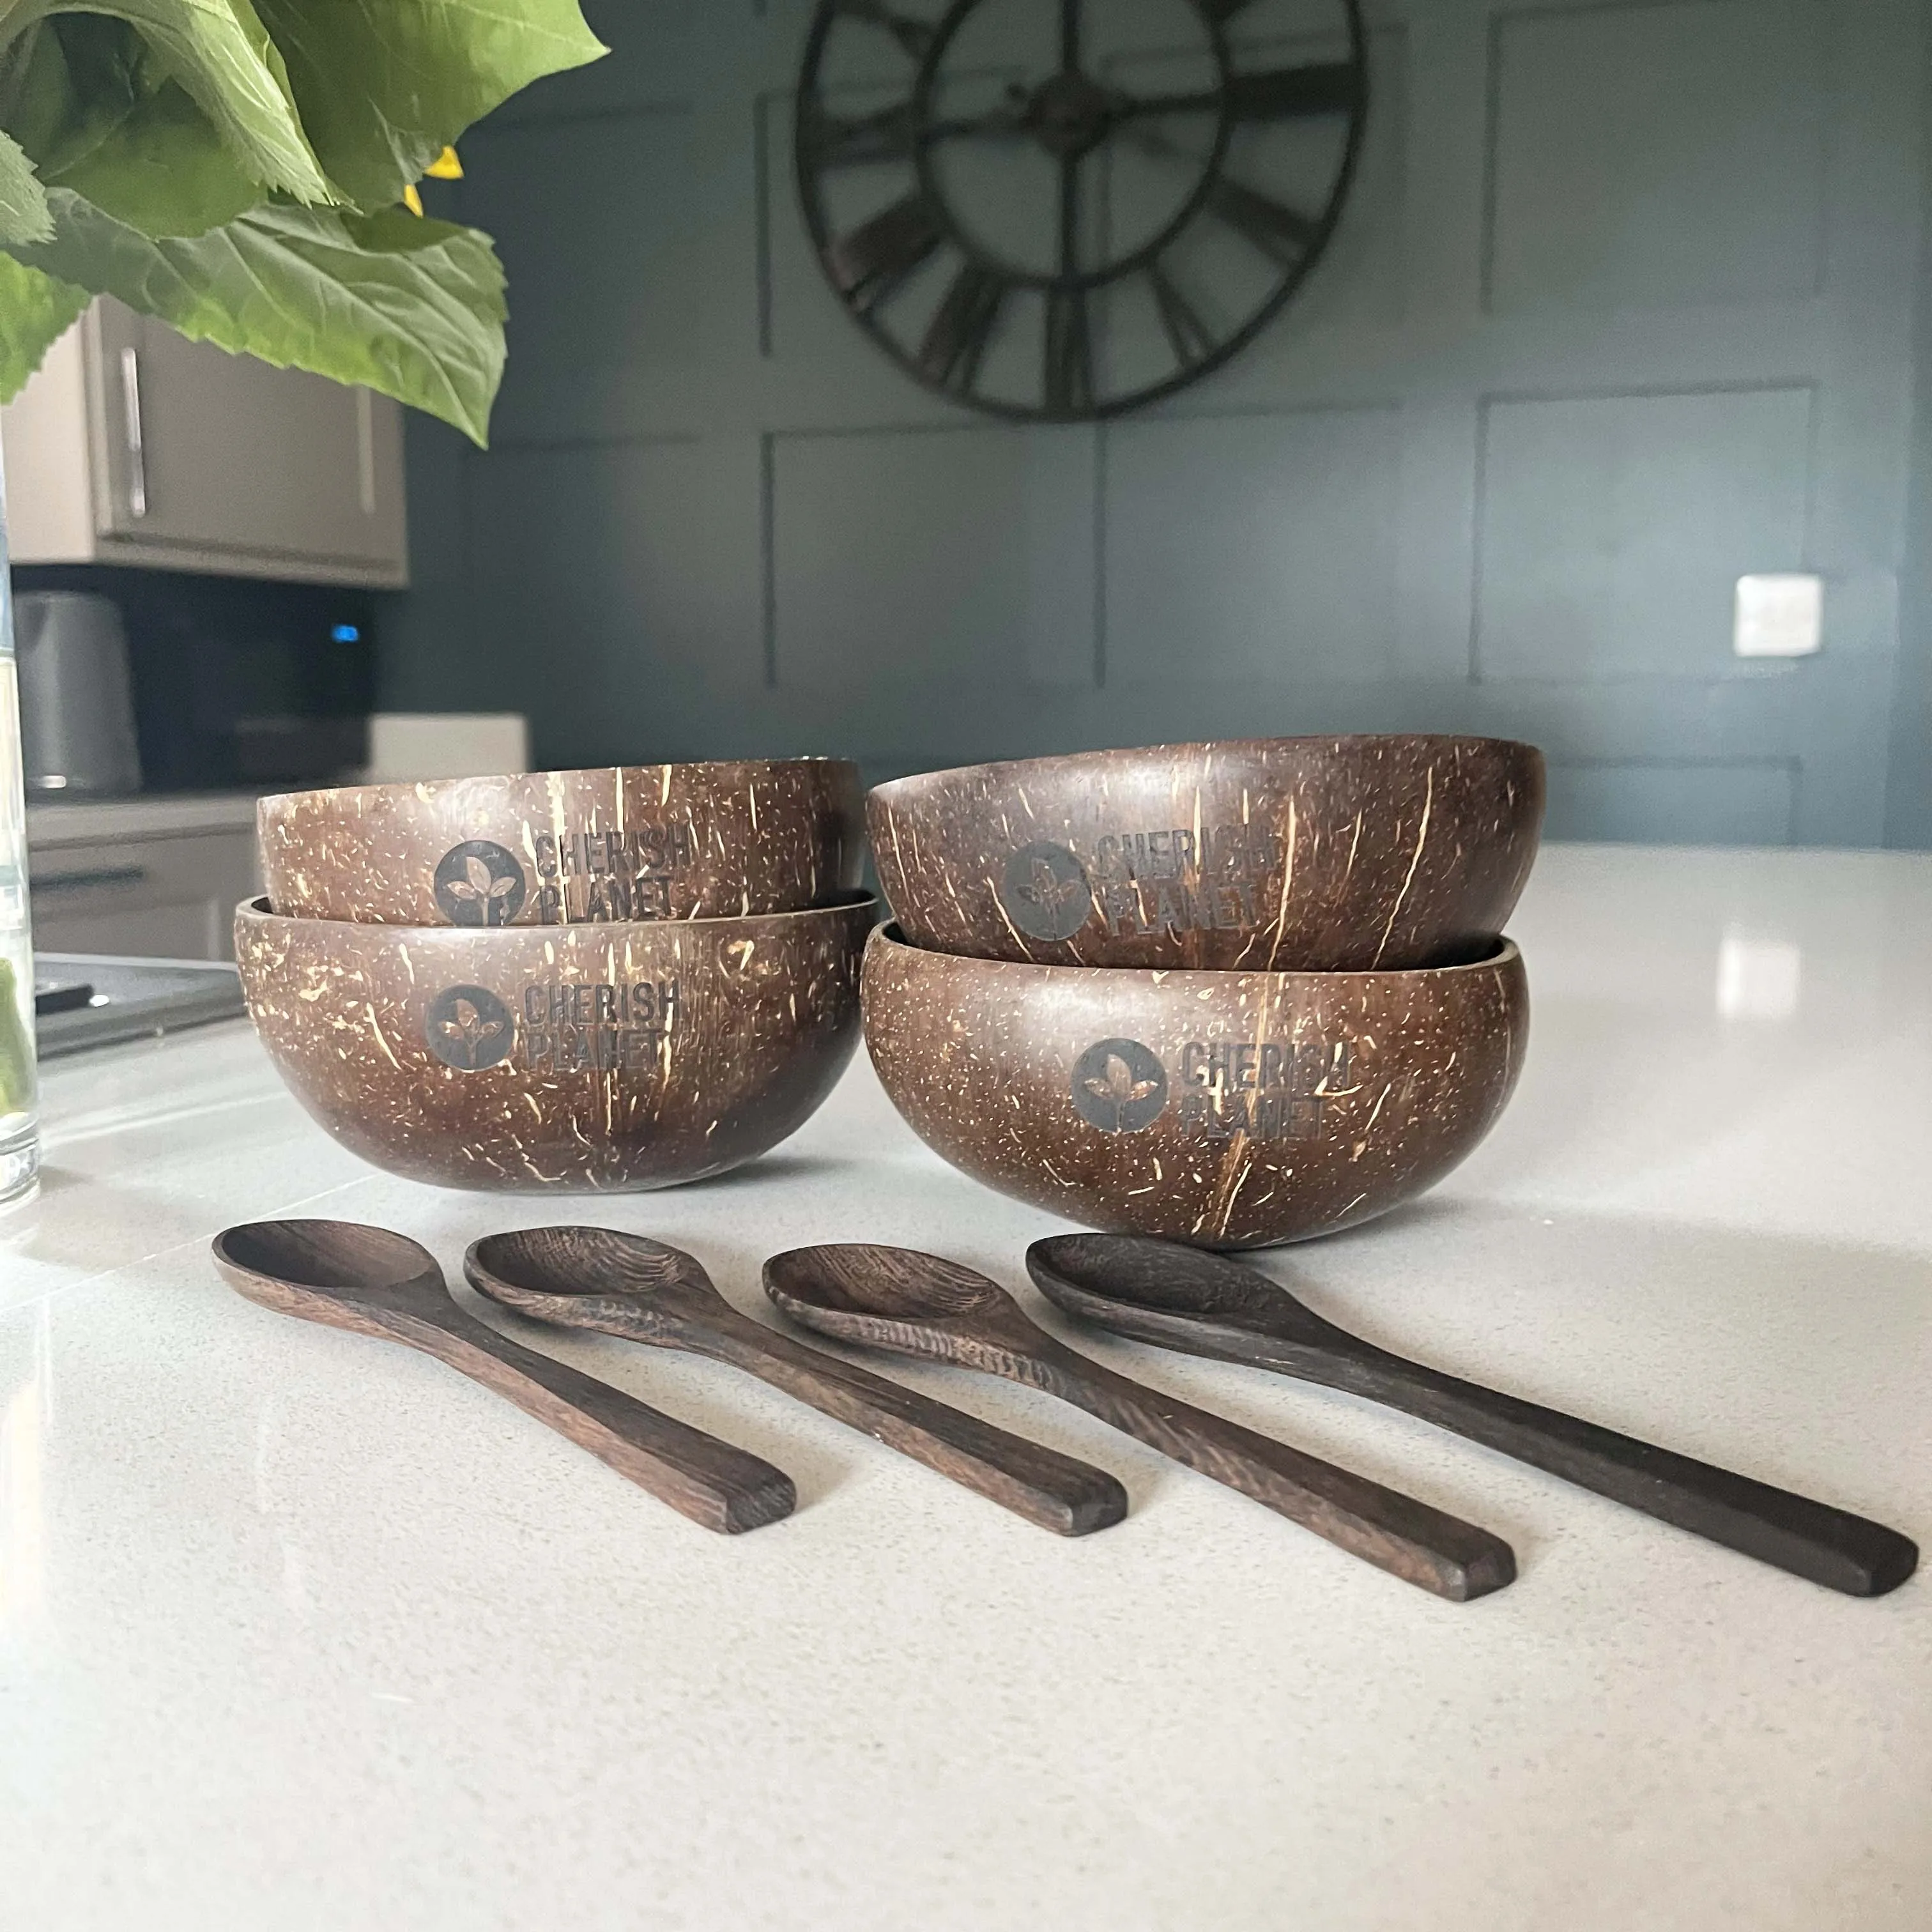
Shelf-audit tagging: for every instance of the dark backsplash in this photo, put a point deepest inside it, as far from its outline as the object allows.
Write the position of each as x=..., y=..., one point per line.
x=237, y=682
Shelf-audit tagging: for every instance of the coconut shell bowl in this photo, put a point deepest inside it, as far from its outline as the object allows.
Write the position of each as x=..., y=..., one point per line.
x=587, y=1057
x=619, y=845
x=1271, y=855
x=1226, y=1109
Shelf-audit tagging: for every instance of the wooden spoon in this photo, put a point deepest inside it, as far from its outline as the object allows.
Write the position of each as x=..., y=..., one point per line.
x=1205, y=1304
x=644, y=1291
x=921, y=1305
x=383, y=1284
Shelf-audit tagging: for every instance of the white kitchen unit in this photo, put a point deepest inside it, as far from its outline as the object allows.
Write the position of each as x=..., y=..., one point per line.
x=300, y=1628
x=134, y=445
x=156, y=878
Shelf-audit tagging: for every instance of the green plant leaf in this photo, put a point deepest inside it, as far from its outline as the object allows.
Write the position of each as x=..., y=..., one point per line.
x=66, y=83
x=411, y=308
x=23, y=202
x=164, y=170
x=221, y=53
x=35, y=312
x=98, y=113
x=383, y=88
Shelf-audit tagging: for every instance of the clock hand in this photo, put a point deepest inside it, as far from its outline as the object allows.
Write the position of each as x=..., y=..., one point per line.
x=1009, y=120
x=1281, y=93
x=1130, y=106
x=1159, y=145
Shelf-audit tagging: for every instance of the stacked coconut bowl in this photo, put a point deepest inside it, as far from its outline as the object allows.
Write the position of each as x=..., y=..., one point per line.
x=587, y=980
x=1231, y=994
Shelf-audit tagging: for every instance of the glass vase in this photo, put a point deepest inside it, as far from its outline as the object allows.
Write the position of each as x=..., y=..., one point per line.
x=19, y=1093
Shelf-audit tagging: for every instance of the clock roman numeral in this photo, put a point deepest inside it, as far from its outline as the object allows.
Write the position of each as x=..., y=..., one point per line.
x=1332, y=87
x=1070, y=352
x=868, y=264
x=1280, y=233
x=836, y=141
x=956, y=342
x=913, y=36
x=1189, y=337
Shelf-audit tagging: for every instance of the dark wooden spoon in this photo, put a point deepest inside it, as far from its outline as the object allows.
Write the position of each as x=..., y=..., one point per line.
x=383, y=1284
x=645, y=1291
x=1205, y=1304
x=922, y=1305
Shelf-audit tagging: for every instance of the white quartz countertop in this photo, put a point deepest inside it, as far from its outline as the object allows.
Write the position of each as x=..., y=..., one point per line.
x=302, y=1630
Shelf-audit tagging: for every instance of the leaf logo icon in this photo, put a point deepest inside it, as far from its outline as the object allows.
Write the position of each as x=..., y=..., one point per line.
x=1048, y=890
x=1119, y=1086
x=1044, y=892
x=479, y=883
x=468, y=1028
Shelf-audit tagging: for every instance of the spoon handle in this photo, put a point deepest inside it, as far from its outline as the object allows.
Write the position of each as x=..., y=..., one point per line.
x=723, y=1488
x=1422, y=1545
x=1809, y=1539
x=1068, y=1497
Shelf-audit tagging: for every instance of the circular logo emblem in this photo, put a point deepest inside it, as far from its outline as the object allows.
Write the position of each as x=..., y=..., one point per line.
x=479, y=883
x=1044, y=892
x=468, y=1028
x=1119, y=1087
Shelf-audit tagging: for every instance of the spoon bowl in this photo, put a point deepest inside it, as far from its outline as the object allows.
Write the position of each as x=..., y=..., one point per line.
x=594, y=1278
x=339, y=1263
x=1158, y=1289
x=850, y=1288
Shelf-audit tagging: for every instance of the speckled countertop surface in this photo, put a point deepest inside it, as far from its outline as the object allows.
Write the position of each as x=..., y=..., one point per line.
x=298, y=1630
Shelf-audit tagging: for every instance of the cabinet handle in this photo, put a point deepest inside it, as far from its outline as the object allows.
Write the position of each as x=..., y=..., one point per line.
x=81, y=882
x=130, y=408
x=365, y=451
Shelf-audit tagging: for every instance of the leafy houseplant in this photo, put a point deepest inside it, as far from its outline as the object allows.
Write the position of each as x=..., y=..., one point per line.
x=244, y=170
x=241, y=168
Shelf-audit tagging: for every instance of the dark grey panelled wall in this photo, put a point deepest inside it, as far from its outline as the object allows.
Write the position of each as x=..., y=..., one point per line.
x=1624, y=307
x=1909, y=813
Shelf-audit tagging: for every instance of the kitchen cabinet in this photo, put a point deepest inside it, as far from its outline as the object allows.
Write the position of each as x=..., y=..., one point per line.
x=134, y=445
x=154, y=878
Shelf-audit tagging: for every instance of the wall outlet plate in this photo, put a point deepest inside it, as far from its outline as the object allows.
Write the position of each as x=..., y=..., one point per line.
x=1779, y=616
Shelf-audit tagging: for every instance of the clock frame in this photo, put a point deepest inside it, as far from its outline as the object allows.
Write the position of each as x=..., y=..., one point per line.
x=970, y=288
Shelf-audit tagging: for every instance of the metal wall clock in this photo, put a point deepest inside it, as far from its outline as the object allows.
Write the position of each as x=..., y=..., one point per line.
x=1056, y=210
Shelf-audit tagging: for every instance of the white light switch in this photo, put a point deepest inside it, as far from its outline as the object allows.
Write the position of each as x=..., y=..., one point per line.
x=1778, y=617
